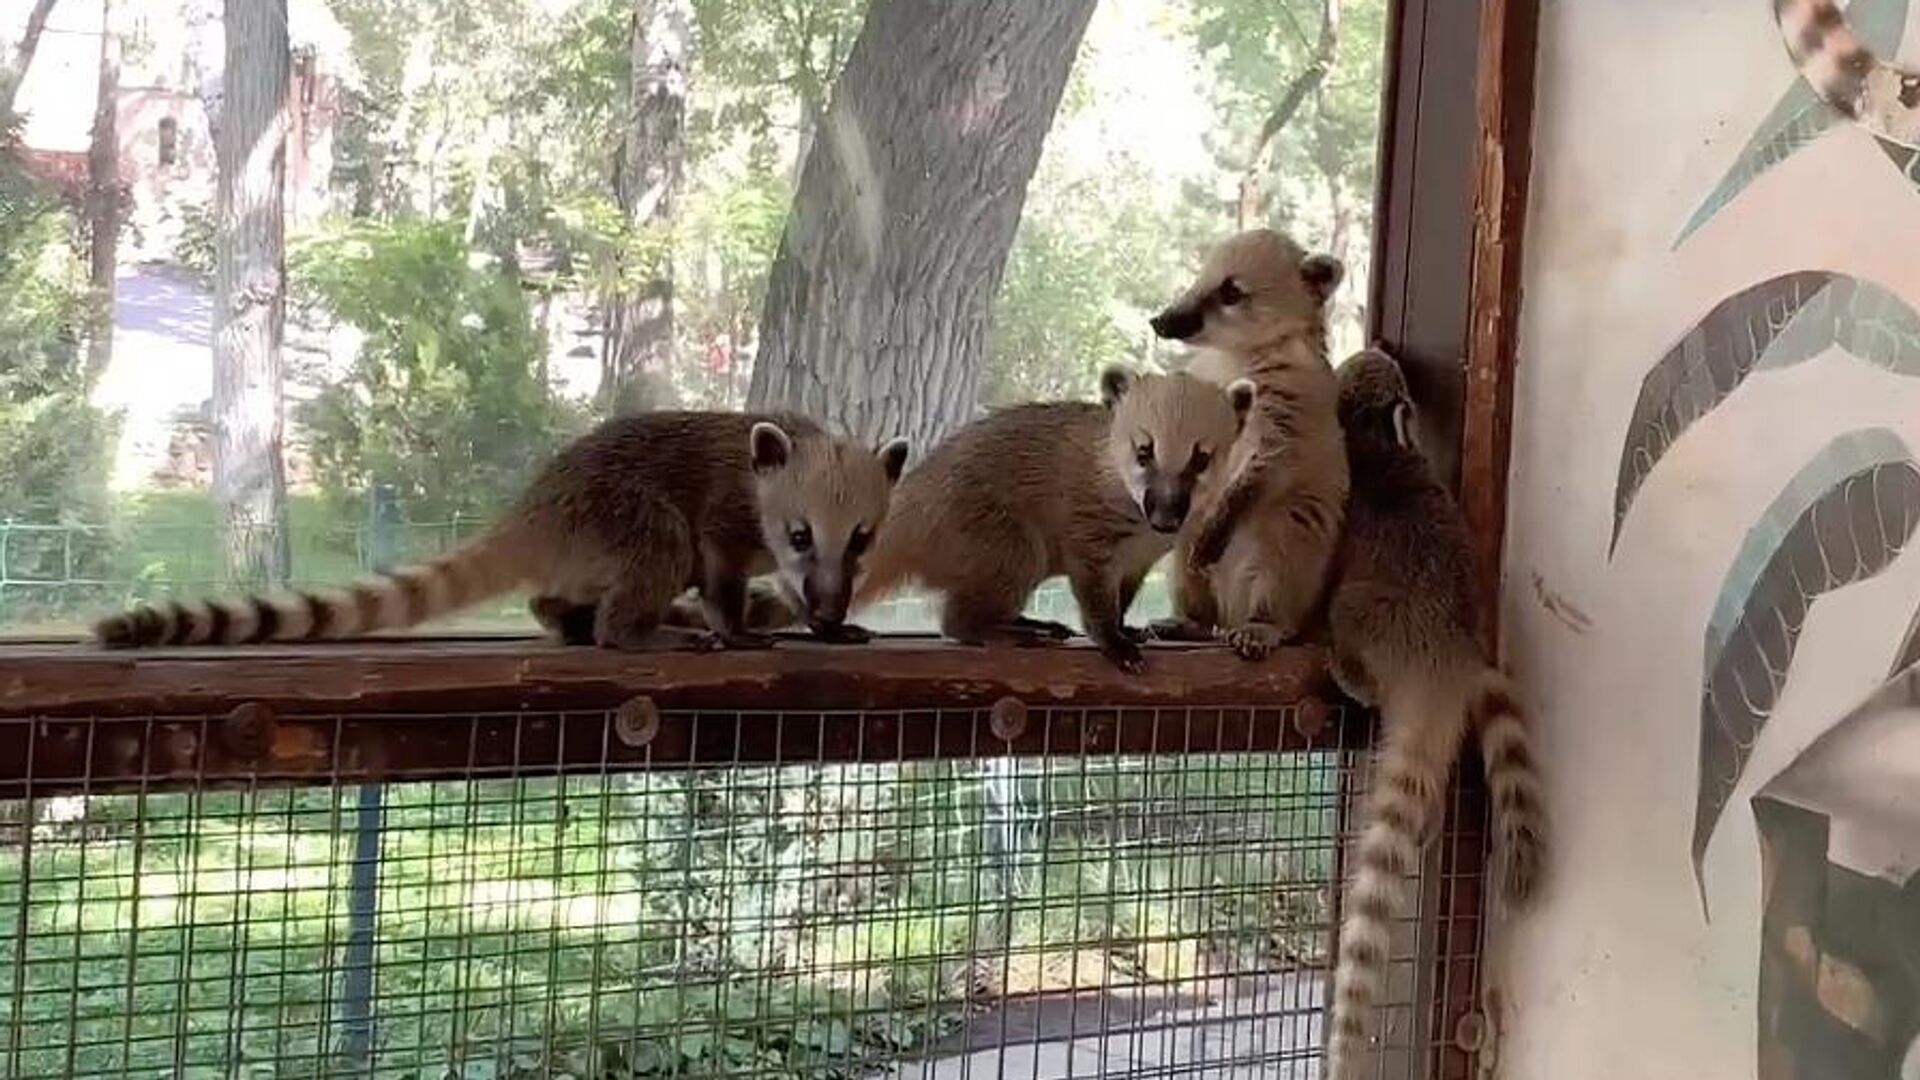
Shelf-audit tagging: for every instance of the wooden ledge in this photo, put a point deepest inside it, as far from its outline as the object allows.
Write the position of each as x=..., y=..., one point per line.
x=491, y=674
x=73, y=717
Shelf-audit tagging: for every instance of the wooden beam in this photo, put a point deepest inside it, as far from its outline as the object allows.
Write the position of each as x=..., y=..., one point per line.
x=1503, y=161
x=79, y=719
x=1503, y=157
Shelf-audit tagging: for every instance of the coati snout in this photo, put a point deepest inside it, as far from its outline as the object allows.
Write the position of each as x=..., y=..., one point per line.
x=1177, y=323
x=1256, y=286
x=1169, y=441
x=817, y=532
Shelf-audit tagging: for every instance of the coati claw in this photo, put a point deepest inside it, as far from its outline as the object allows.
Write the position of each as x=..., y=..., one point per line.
x=1125, y=655
x=1254, y=641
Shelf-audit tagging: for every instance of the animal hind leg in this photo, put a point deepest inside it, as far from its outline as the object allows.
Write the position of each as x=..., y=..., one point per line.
x=988, y=616
x=570, y=622
x=632, y=611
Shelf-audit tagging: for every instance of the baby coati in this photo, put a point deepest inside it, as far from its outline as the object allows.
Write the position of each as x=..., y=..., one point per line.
x=1094, y=492
x=621, y=522
x=1254, y=568
x=1401, y=617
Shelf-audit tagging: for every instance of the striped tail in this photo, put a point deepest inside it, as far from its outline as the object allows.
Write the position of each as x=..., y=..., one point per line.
x=398, y=599
x=1423, y=731
x=1513, y=782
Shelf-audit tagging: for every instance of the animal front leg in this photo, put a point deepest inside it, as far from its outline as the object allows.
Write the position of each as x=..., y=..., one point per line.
x=1097, y=591
x=724, y=603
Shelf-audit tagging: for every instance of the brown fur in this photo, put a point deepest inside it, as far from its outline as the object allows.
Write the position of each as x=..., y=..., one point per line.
x=1840, y=66
x=1094, y=492
x=618, y=524
x=1256, y=565
x=1402, y=618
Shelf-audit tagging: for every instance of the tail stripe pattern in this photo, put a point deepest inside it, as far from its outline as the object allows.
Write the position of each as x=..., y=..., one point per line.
x=1519, y=815
x=405, y=598
x=1402, y=803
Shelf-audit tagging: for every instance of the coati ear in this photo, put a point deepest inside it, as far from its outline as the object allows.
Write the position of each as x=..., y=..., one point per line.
x=771, y=447
x=1322, y=274
x=1114, y=384
x=893, y=458
x=1403, y=429
x=1242, y=392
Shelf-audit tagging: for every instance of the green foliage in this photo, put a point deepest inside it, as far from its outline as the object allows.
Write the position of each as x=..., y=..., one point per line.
x=445, y=400
x=55, y=446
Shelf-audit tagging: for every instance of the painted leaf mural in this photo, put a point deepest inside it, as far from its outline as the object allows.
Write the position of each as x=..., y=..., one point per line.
x=1842, y=519
x=1799, y=118
x=1778, y=323
x=1908, y=654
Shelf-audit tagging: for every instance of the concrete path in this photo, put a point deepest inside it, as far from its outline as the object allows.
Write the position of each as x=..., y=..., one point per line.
x=1263, y=1028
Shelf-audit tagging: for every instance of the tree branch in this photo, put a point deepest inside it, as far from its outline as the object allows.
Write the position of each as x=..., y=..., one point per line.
x=16, y=73
x=1282, y=113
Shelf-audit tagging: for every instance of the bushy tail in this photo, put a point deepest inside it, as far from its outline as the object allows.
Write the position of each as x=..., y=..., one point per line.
x=1423, y=728
x=400, y=598
x=1513, y=783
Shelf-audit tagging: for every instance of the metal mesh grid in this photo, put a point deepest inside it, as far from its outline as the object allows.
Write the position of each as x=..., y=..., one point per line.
x=962, y=914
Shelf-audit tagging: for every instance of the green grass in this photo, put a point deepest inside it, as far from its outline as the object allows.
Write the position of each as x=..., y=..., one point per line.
x=809, y=922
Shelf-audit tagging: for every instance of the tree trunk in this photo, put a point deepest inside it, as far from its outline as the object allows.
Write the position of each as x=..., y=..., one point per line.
x=249, y=292
x=879, y=299
x=647, y=185
x=103, y=200
x=1252, y=201
x=16, y=73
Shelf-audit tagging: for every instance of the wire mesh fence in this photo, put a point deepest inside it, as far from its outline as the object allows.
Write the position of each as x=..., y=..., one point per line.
x=951, y=913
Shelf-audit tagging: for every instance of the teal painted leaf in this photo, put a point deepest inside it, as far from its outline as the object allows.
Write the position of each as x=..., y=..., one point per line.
x=1778, y=323
x=1905, y=158
x=1796, y=120
x=1842, y=519
x=1908, y=654
x=1701, y=369
x=1799, y=117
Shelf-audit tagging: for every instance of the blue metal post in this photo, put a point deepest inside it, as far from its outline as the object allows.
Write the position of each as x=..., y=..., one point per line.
x=363, y=900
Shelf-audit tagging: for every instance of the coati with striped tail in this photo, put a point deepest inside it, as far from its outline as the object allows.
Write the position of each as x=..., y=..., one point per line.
x=621, y=522
x=1401, y=616
x=1253, y=570
x=1844, y=72
x=1094, y=492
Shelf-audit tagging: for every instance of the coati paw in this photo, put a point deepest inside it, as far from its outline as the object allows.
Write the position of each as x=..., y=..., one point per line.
x=841, y=633
x=1136, y=634
x=744, y=640
x=1125, y=655
x=1177, y=630
x=1254, y=641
